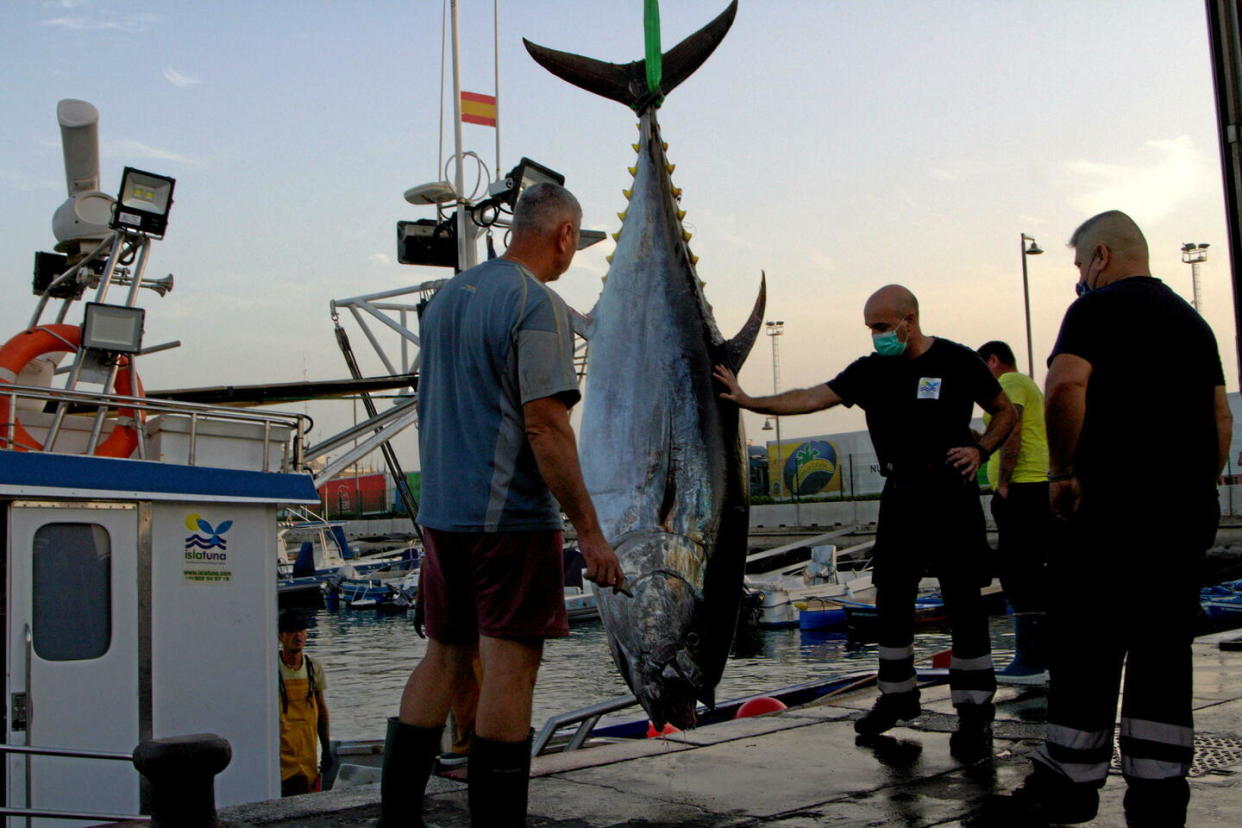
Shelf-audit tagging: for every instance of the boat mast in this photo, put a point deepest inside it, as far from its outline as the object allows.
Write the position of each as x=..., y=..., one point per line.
x=466, y=253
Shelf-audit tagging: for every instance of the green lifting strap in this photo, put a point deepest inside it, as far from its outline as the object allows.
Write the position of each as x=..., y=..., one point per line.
x=655, y=58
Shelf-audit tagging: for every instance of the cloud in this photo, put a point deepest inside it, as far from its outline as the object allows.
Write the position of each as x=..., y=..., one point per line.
x=83, y=23
x=1150, y=185
x=823, y=261
x=379, y=259
x=956, y=170
x=179, y=79
x=62, y=4
x=26, y=183
x=135, y=149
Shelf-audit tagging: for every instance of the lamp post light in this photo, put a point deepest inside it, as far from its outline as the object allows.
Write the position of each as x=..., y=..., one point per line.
x=775, y=329
x=1033, y=250
x=1192, y=254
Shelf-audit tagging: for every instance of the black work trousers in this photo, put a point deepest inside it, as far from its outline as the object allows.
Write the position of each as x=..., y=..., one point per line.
x=1024, y=526
x=1124, y=591
x=932, y=523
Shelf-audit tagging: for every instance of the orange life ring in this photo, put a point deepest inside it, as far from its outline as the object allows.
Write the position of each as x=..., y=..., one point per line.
x=46, y=339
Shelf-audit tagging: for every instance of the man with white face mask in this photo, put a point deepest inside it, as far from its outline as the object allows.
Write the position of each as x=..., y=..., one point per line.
x=919, y=393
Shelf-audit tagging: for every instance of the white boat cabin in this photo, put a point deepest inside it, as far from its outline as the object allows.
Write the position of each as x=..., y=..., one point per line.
x=140, y=603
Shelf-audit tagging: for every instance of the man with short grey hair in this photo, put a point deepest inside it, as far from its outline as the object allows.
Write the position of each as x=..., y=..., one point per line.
x=1126, y=334
x=499, y=464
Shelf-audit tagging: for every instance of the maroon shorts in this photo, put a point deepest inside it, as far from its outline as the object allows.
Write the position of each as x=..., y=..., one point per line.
x=498, y=584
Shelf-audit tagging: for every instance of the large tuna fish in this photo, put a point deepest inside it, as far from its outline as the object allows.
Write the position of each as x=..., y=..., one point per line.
x=662, y=454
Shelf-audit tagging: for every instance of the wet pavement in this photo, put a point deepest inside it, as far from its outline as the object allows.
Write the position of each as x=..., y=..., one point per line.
x=804, y=767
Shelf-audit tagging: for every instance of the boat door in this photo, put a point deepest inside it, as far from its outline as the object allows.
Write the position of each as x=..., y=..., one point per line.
x=73, y=655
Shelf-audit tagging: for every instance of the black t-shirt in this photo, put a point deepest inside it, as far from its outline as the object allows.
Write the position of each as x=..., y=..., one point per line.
x=917, y=409
x=1150, y=425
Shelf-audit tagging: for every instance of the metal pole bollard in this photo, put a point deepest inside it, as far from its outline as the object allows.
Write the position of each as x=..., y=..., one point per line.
x=182, y=771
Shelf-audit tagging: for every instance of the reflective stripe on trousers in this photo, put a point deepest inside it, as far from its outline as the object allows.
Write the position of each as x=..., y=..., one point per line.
x=1155, y=750
x=896, y=674
x=1081, y=756
x=972, y=680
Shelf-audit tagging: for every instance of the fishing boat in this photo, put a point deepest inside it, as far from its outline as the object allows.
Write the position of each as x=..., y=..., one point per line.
x=1222, y=604
x=395, y=593
x=580, y=604
x=314, y=553
x=862, y=619
x=782, y=582
x=138, y=531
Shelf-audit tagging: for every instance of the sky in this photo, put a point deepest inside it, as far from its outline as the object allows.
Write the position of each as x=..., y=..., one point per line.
x=837, y=145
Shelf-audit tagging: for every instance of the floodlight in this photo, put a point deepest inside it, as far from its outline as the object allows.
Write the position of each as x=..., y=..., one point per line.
x=47, y=267
x=144, y=202
x=586, y=238
x=427, y=242
x=525, y=174
x=113, y=328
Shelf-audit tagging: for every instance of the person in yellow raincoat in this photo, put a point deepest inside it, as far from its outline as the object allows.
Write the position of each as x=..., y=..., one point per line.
x=303, y=712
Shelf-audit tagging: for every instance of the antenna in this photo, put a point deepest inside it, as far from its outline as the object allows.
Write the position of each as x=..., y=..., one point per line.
x=79, y=137
x=83, y=218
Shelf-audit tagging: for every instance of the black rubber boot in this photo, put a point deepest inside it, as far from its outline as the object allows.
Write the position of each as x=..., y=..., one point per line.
x=498, y=777
x=1152, y=803
x=889, y=709
x=1043, y=798
x=409, y=755
x=972, y=740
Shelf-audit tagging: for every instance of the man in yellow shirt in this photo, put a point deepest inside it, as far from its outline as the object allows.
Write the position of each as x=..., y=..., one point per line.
x=303, y=712
x=1018, y=473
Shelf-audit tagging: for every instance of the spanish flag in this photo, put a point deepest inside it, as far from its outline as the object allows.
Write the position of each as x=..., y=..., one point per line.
x=478, y=109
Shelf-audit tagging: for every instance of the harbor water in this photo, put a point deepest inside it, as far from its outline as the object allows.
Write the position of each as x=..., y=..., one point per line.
x=368, y=656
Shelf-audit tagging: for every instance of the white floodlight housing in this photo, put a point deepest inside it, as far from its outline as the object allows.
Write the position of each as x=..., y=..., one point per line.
x=113, y=328
x=144, y=202
x=437, y=192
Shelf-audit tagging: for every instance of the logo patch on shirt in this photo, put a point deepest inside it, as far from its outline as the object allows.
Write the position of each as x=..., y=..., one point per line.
x=929, y=388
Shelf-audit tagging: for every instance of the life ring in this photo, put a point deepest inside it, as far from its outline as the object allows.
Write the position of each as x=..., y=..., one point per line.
x=46, y=339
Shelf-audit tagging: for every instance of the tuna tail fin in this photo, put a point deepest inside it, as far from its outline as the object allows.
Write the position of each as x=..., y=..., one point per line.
x=738, y=348
x=627, y=83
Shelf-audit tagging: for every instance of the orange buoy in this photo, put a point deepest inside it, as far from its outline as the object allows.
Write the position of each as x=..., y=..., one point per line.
x=668, y=730
x=46, y=339
x=759, y=706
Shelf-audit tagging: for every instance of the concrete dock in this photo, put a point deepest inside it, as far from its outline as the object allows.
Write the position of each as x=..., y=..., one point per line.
x=802, y=767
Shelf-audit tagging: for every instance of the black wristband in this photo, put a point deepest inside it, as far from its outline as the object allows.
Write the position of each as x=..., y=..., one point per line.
x=984, y=454
x=1057, y=478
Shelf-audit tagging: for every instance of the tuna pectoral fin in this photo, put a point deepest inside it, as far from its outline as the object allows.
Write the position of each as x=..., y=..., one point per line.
x=627, y=83
x=738, y=348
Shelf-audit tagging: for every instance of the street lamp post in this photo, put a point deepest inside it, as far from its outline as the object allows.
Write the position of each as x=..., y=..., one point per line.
x=1033, y=250
x=1192, y=254
x=775, y=329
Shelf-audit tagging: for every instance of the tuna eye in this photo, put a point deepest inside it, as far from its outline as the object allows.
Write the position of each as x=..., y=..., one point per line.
x=692, y=639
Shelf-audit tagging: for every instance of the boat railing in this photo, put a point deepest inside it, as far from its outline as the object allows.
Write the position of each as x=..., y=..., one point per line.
x=283, y=429
x=51, y=813
x=585, y=718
